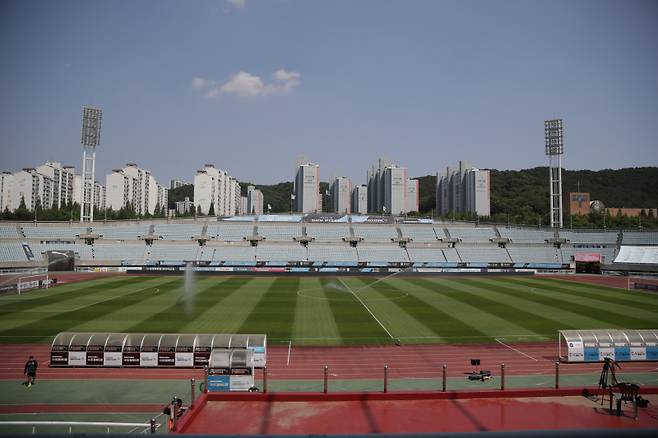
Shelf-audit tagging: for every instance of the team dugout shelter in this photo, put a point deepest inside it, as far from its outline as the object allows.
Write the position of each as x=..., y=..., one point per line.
x=167, y=350
x=618, y=345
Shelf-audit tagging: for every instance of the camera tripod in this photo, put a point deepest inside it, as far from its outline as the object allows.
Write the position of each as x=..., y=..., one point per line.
x=607, y=373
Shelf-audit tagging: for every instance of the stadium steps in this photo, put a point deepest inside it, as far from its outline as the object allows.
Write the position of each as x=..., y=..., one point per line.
x=447, y=233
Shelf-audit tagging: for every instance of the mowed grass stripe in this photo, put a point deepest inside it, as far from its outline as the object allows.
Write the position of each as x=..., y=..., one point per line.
x=450, y=300
x=56, y=296
x=274, y=313
x=48, y=327
x=313, y=317
x=525, y=312
x=226, y=314
x=520, y=294
x=354, y=323
x=637, y=296
x=437, y=323
x=585, y=306
x=617, y=297
x=187, y=309
x=60, y=289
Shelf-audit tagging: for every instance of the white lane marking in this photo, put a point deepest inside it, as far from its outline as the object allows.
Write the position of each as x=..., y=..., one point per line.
x=366, y=307
x=289, y=348
x=518, y=351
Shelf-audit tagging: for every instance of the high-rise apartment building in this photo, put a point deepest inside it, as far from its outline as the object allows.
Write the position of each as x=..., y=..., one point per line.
x=341, y=194
x=360, y=199
x=464, y=189
x=213, y=186
x=307, y=189
x=254, y=201
x=137, y=186
x=387, y=189
x=412, y=195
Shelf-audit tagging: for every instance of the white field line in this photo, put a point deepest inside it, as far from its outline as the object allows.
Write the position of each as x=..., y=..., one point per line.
x=289, y=349
x=366, y=307
x=518, y=351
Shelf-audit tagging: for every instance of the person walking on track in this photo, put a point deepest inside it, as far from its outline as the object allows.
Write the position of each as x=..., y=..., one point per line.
x=31, y=371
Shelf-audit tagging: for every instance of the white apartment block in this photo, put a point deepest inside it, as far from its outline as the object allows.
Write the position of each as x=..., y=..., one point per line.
x=6, y=190
x=99, y=192
x=464, y=189
x=387, y=189
x=360, y=199
x=214, y=186
x=254, y=201
x=413, y=195
x=62, y=183
x=137, y=186
x=341, y=192
x=307, y=189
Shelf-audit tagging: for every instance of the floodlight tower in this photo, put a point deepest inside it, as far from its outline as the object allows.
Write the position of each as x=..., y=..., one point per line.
x=553, y=135
x=91, y=137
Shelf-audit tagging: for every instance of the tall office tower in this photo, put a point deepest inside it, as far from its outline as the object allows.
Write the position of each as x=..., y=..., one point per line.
x=360, y=199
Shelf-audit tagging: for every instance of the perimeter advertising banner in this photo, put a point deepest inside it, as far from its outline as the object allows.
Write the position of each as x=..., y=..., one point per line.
x=95, y=356
x=77, y=355
x=112, y=356
x=130, y=356
x=184, y=357
x=241, y=379
x=201, y=356
x=166, y=357
x=59, y=355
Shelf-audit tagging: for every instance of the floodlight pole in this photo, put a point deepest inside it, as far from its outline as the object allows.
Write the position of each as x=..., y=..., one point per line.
x=554, y=147
x=90, y=138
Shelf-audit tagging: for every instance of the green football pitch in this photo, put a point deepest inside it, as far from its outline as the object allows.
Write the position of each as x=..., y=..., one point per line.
x=328, y=310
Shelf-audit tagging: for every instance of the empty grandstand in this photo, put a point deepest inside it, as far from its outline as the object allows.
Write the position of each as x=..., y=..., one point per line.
x=294, y=242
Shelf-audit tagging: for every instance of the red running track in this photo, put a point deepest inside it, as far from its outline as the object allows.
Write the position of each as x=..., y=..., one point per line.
x=354, y=362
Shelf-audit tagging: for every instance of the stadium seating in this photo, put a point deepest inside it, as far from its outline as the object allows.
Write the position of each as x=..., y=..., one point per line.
x=426, y=254
x=597, y=237
x=231, y=232
x=569, y=251
x=483, y=253
x=172, y=252
x=119, y=251
x=332, y=253
x=8, y=231
x=228, y=253
x=480, y=234
x=328, y=232
x=121, y=232
x=80, y=249
x=52, y=232
x=280, y=253
x=419, y=233
x=533, y=254
x=451, y=255
x=375, y=233
x=381, y=253
x=640, y=238
x=12, y=252
x=523, y=235
x=178, y=231
x=279, y=231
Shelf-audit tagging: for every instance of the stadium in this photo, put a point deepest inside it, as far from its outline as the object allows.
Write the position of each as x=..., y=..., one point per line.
x=344, y=306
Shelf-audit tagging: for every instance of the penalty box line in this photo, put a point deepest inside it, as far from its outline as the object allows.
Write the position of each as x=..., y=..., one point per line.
x=366, y=307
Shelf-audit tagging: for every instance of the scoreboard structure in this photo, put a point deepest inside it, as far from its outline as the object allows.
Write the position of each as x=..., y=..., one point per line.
x=152, y=350
x=618, y=345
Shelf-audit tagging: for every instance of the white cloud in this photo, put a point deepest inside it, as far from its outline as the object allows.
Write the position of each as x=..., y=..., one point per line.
x=202, y=83
x=237, y=3
x=245, y=84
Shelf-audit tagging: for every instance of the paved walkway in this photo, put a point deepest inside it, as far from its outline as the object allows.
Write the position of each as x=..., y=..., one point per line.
x=410, y=416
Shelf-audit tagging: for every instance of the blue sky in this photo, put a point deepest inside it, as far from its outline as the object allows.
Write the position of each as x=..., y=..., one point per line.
x=251, y=85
